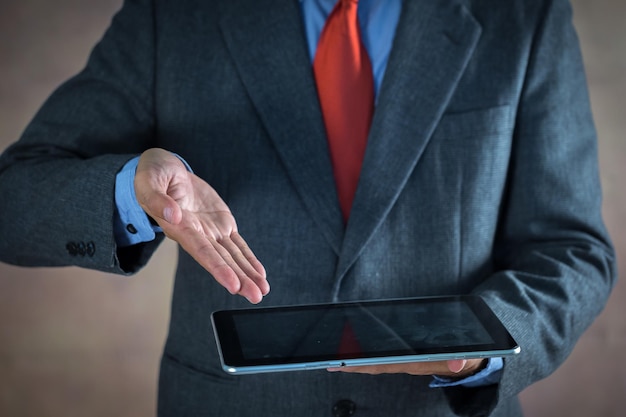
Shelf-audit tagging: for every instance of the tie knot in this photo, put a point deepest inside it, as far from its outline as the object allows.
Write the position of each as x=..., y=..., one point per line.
x=348, y=8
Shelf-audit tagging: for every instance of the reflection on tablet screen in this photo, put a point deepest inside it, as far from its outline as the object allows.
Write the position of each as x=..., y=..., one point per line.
x=359, y=331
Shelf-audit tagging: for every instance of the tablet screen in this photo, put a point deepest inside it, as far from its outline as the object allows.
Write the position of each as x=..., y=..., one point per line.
x=372, y=329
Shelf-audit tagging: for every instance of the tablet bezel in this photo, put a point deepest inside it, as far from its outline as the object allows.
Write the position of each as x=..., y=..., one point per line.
x=234, y=362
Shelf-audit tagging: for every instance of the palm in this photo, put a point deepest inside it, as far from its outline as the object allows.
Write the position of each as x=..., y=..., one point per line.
x=192, y=213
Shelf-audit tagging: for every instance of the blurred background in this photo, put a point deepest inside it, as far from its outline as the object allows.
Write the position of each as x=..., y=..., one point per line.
x=82, y=343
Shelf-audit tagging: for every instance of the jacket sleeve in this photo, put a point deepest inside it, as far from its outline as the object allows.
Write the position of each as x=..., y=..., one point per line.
x=57, y=182
x=555, y=258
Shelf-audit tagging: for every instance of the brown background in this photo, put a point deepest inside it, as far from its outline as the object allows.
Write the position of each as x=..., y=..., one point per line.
x=81, y=343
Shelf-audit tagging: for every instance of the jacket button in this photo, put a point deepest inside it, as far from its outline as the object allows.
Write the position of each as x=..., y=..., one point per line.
x=344, y=408
x=91, y=249
x=81, y=248
x=72, y=248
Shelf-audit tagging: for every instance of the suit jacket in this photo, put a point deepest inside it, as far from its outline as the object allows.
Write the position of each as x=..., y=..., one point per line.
x=480, y=176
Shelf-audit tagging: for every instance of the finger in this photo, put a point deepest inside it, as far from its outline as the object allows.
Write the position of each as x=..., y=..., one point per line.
x=204, y=252
x=412, y=368
x=159, y=205
x=456, y=366
x=370, y=370
x=217, y=260
x=246, y=275
x=408, y=368
x=248, y=262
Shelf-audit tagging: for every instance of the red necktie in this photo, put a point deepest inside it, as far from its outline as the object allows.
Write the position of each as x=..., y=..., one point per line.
x=345, y=85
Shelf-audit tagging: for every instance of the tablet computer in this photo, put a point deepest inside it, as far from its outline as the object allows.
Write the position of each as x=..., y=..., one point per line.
x=318, y=336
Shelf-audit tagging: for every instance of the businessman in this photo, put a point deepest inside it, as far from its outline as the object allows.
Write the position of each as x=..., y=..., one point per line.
x=337, y=151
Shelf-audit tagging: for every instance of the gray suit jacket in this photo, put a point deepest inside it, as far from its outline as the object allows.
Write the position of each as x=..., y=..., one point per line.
x=480, y=176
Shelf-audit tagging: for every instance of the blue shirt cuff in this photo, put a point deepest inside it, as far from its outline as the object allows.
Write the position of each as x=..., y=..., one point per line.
x=489, y=375
x=131, y=224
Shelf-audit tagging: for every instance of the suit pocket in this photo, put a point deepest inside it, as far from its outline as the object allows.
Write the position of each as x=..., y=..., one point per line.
x=472, y=148
x=171, y=364
x=476, y=123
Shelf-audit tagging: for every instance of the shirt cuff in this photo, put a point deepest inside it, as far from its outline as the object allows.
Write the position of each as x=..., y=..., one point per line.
x=489, y=375
x=131, y=224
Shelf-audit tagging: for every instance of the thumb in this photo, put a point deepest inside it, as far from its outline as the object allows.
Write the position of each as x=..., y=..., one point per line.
x=156, y=170
x=161, y=207
x=455, y=366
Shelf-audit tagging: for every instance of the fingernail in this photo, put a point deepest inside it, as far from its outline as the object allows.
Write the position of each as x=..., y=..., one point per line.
x=462, y=366
x=167, y=214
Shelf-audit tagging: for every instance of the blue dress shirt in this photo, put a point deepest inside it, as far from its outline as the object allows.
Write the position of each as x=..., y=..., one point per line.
x=378, y=20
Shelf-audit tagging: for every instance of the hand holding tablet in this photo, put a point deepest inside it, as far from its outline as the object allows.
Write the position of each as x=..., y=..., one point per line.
x=349, y=334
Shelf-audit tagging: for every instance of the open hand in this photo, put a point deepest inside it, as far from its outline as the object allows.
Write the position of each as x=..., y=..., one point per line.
x=192, y=213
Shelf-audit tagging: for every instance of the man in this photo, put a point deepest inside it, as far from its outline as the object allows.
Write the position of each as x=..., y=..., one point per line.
x=479, y=176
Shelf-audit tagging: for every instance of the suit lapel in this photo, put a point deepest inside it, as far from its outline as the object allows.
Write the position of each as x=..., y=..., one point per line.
x=432, y=46
x=433, y=43
x=267, y=42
